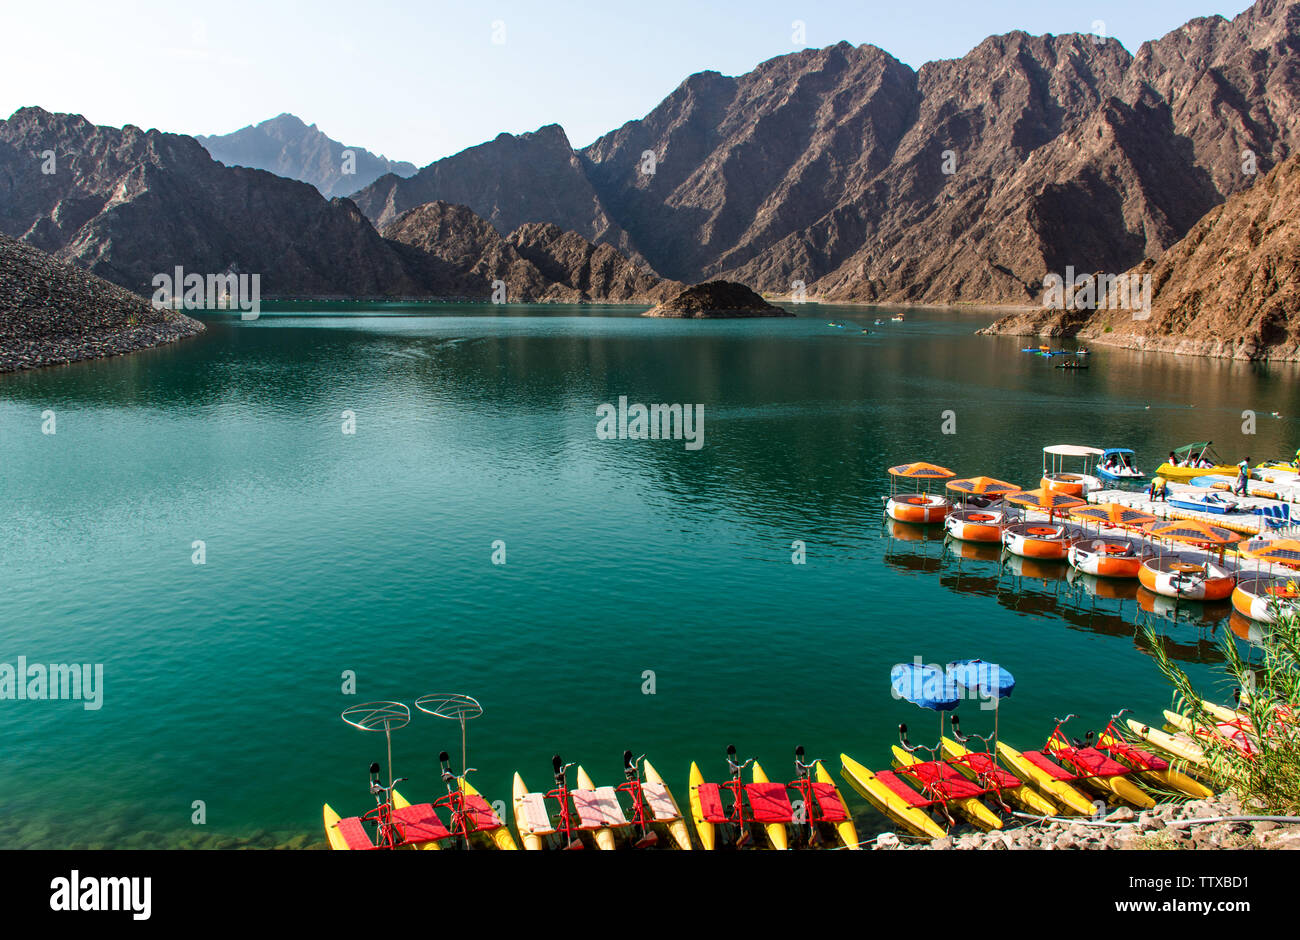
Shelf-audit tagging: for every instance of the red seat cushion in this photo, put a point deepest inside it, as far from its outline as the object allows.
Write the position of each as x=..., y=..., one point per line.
x=769, y=803
x=481, y=815
x=419, y=823
x=987, y=768
x=354, y=833
x=1096, y=764
x=1049, y=766
x=711, y=803
x=943, y=780
x=901, y=788
x=1144, y=760
x=828, y=801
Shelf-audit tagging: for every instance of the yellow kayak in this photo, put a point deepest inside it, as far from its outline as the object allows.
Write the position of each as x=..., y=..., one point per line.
x=886, y=801
x=604, y=835
x=1181, y=748
x=969, y=806
x=707, y=831
x=1169, y=778
x=336, y=840
x=1120, y=787
x=676, y=827
x=533, y=840
x=1064, y=794
x=1024, y=796
x=776, y=833
x=501, y=838
x=847, y=832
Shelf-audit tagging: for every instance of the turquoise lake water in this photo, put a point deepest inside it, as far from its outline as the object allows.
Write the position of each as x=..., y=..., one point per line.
x=372, y=552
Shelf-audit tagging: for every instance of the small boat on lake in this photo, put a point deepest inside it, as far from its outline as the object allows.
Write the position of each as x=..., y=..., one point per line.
x=1261, y=597
x=918, y=507
x=1172, y=576
x=1040, y=540
x=1117, y=463
x=1109, y=556
x=1208, y=502
x=1077, y=484
x=1194, y=460
x=977, y=525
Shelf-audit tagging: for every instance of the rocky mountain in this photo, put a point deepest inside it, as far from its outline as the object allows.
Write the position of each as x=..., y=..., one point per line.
x=1229, y=289
x=716, y=300
x=538, y=263
x=509, y=181
x=967, y=180
x=126, y=204
x=52, y=313
x=287, y=147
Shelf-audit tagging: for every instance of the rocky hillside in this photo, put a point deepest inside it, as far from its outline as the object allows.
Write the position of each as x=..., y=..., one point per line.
x=716, y=300
x=287, y=147
x=52, y=313
x=538, y=263
x=1230, y=288
x=509, y=181
x=126, y=204
x=966, y=180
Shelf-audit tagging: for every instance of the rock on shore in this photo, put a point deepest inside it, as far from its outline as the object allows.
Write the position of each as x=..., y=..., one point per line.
x=53, y=313
x=1164, y=827
x=717, y=300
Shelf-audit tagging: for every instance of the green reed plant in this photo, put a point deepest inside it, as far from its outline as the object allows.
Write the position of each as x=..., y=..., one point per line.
x=1267, y=776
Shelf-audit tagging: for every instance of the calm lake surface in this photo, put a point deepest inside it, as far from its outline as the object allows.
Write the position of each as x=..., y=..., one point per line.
x=372, y=552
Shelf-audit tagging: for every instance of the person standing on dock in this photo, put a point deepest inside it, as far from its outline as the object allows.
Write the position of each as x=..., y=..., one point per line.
x=1157, y=489
x=1243, y=474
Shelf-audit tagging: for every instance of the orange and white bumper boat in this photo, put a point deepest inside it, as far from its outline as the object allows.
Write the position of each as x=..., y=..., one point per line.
x=1172, y=576
x=1262, y=597
x=977, y=525
x=1071, y=484
x=1042, y=540
x=1109, y=556
x=917, y=508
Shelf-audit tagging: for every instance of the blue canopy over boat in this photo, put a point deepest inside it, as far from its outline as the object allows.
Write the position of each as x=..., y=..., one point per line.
x=978, y=676
x=1116, y=450
x=926, y=686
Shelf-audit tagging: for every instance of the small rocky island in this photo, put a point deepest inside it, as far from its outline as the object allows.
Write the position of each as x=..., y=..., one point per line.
x=717, y=300
x=52, y=313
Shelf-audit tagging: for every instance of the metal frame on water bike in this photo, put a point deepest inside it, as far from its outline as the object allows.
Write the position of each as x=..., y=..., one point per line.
x=632, y=787
x=454, y=801
x=802, y=785
x=561, y=795
x=990, y=741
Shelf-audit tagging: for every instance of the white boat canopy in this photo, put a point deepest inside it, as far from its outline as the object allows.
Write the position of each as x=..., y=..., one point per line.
x=1073, y=450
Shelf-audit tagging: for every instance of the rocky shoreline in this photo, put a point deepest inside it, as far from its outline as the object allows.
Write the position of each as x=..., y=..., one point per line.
x=1167, y=826
x=53, y=314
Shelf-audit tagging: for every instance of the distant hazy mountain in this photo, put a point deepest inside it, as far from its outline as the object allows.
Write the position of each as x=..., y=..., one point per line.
x=287, y=147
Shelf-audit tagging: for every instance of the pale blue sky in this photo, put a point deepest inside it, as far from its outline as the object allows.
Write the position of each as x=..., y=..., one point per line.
x=419, y=79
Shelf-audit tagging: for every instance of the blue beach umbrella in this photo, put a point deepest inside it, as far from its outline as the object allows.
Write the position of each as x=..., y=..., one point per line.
x=987, y=679
x=926, y=686
x=975, y=675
